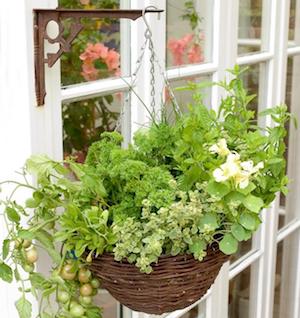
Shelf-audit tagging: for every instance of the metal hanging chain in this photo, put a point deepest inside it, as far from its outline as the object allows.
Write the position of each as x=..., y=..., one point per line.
x=153, y=60
x=133, y=80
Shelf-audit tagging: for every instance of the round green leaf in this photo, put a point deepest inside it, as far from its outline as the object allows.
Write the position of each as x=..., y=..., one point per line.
x=238, y=232
x=228, y=245
x=248, y=221
x=253, y=203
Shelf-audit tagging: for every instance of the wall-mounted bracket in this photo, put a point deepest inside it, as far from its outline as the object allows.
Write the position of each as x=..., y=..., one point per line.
x=41, y=19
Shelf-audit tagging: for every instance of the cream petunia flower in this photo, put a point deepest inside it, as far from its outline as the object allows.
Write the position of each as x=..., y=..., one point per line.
x=220, y=148
x=234, y=169
x=229, y=169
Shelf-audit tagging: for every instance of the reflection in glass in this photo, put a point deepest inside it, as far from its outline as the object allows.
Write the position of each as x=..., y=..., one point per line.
x=84, y=121
x=186, y=91
x=287, y=212
x=239, y=295
x=196, y=312
x=250, y=26
x=95, y=52
x=251, y=80
x=292, y=20
x=244, y=248
x=189, y=30
x=286, y=269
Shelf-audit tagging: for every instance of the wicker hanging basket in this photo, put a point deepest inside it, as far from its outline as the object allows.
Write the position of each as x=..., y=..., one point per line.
x=175, y=283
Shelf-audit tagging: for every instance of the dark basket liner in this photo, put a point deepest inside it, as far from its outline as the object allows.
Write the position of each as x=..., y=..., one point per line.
x=175, y=283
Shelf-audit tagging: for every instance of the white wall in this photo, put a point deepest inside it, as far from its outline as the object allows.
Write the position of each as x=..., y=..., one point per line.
x=24, y=128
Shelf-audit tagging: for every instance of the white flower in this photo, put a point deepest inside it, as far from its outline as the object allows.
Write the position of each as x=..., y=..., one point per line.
x=229, y=169
x=242, y=179
x=220, y=148
x=219, y=175
x=248, y=166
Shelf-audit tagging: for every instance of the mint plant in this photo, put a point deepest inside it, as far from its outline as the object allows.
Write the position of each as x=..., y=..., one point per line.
x=180, y=188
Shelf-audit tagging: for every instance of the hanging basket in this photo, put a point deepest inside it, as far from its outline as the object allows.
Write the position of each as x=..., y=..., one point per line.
x=175, y=283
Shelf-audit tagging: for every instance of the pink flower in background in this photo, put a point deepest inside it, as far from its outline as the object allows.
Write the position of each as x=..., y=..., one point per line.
x=195, y=54
x=178, y=47
x=112, y=60
x=89, y=72
x=98, y=51
x=186, y=48
x=94, y=51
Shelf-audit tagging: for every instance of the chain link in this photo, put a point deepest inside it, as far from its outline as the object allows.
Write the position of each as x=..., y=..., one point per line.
x=153, y=60
x=133, y=80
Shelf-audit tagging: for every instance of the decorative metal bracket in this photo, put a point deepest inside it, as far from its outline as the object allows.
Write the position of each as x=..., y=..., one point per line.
x=41, y=19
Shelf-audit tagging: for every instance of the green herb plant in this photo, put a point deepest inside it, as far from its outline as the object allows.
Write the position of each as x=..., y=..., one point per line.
x=186, y=186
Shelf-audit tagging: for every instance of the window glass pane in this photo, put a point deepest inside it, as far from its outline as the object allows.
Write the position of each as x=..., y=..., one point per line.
x=239, y=294
x=250, y=26
x=243, y=249
x=287, y=212
x=286, y=269
x=95, y=53
x=198, y=311
x=253, y=82
x=292, y=21
x=189, y=32
x=109, y=305
x=84, y=121
x=185, y=89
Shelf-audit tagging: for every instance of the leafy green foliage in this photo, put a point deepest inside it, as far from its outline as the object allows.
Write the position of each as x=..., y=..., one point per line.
x=178, y=188
x=24, y=308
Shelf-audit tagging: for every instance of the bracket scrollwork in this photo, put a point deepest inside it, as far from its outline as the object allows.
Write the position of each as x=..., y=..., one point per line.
x=41, y=19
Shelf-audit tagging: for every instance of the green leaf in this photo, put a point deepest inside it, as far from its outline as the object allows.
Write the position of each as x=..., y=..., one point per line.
x=274, y=161
x=12, y=215
x=38, y=281
x=228, y=245
x=208, y=220
x=5, y=248
x=26, y=235
x=218, y=190
x=253, y=203
x=197, y=247
x=238, y=232
x=31, y=203
x=234, y=198
x=24, y=308
x=93, y=312
x=17, y=274
x=45, y=315
x=6, y=273
x=248, y=221
x=47, y=241
x=39, y=164
x=251, y=186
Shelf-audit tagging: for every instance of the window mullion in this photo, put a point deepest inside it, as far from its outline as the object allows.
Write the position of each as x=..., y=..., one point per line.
x=225, y=36
x=277, y=27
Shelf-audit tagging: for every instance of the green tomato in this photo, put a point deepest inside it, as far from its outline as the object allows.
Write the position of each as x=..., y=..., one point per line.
x=31, y=255
x=73, y=303
x=26, y=243
x=77, y=311
x=85, y=300
x=63, y=296
x=28, y=268
x=68, y=272
x=84, y=275
x=86, y=290
x=95, y=283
